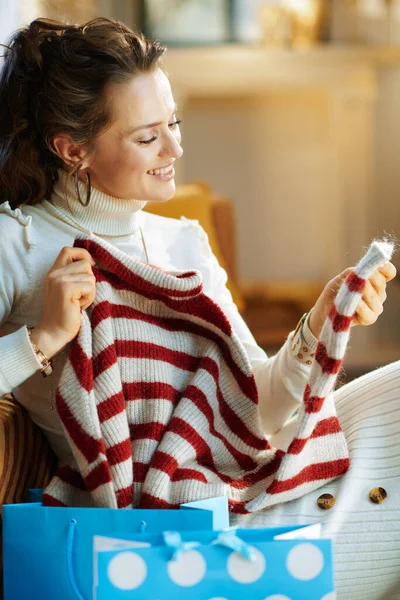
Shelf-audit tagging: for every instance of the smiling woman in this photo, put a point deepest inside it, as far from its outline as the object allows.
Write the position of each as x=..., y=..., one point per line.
x=117, y=125
x=130, y=159
x=119, y=317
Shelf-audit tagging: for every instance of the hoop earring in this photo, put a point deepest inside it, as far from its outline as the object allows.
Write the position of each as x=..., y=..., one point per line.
x=89, y=190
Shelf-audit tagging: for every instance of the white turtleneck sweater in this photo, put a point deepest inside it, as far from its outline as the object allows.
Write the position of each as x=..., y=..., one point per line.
x=33, y=237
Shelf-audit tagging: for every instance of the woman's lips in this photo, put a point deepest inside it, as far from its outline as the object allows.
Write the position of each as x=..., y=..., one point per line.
x=164, y=176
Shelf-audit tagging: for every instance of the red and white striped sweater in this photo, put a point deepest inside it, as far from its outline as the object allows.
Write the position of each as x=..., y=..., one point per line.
x=160, y=406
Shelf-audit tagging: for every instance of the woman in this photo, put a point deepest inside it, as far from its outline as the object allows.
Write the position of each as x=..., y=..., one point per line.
x=88, y=134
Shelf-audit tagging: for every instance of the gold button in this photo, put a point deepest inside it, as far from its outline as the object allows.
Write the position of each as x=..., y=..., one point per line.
x=378, y=495
x=326, y=501
x=300, y=355
x=309, y=362
x=305, y=349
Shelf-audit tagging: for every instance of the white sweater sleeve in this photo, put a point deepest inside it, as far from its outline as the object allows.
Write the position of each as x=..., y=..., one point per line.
x=17, y=358
x=280, y=379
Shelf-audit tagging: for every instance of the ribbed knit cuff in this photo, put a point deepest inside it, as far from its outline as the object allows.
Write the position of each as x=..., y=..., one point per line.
x=308, y=336
x=18, y=360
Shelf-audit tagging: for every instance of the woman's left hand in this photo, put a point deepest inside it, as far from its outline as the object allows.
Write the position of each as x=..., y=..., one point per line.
x=369, y=307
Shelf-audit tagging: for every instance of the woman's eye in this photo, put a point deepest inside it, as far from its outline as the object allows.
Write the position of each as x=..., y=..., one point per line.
x=175, y=123
x=148, y=141
x=171, y=125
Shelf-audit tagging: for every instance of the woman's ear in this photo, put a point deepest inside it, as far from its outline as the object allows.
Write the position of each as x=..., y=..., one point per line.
x=69, y=151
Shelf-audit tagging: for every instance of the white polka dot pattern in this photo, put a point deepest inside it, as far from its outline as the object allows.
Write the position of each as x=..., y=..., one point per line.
x=305, y=562
x=127, y=571
x=244, y=570
x=280, y=570
x=188, y=570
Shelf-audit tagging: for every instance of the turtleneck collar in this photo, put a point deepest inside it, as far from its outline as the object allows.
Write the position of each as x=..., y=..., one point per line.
x=105, y=215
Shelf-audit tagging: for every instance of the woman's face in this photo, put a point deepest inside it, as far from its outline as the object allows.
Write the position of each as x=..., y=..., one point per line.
x=143, y=137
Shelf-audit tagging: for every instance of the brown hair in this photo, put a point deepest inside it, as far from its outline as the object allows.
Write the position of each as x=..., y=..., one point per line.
x=53, y=81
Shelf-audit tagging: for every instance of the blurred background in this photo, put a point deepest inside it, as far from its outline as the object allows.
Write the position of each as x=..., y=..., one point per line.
x=291, y=132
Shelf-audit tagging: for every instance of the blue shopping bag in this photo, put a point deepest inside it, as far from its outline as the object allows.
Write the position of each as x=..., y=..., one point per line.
x=36, y=562
x=261, y=564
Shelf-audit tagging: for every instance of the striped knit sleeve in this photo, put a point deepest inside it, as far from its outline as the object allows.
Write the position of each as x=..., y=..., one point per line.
x=280, y=379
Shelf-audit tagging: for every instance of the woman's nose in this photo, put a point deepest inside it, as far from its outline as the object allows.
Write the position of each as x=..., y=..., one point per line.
x=172, y=147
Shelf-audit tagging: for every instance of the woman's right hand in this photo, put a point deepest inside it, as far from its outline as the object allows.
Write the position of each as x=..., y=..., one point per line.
x=69, y=288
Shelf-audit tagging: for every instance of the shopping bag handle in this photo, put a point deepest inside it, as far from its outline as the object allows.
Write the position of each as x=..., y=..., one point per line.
x=70, y=564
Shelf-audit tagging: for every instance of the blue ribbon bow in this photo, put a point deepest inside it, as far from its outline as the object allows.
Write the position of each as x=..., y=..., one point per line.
x=228, y=538
x=173, y=539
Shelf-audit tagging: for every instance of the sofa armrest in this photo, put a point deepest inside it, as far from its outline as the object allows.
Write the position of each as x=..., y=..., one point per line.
x=26, y=459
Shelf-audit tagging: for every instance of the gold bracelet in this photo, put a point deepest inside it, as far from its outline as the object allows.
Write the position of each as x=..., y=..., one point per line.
x=46, y=364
